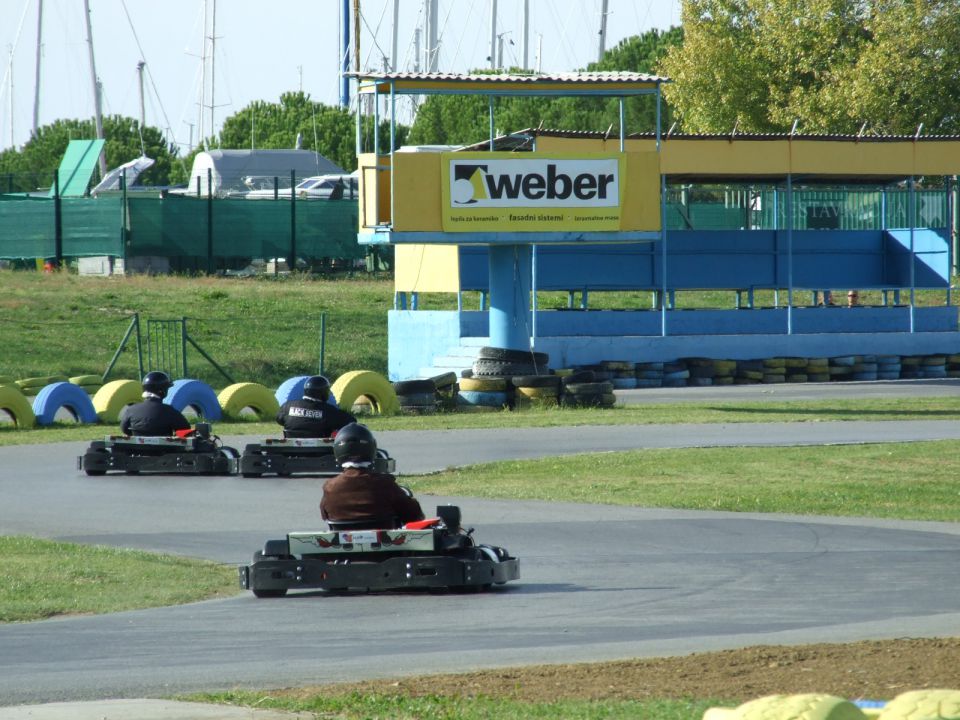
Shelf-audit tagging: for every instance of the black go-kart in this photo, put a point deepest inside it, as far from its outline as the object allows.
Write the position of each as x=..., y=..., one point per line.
x=196, y=452
x=295, y=456
x=372, y=555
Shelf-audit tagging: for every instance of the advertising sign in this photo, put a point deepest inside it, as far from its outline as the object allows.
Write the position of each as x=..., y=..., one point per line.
x=527, y=192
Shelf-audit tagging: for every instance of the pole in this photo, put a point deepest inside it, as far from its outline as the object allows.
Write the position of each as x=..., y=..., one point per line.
x=98, y=112
x=344, y=54
x=393, y=48
x=57, y=218
x=143, y=114
x=356, y=35
x=10, y=75
x=526, y=33
x=292, y=260
x=213, y=60
x=323, y=340
x=603, y=30
x=434, y=38
x=203, y=78
x=36, y=83
x=209, y=220
x=493, y=34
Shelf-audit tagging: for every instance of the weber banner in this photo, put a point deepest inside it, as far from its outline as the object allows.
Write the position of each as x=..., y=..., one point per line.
x=523, y=192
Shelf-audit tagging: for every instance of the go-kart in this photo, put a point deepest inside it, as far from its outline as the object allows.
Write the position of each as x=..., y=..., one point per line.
x=373, y=555
x=291, y=456
x=189, y=452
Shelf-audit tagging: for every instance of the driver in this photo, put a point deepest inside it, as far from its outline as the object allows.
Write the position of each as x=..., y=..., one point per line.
x=313, y=416
x=153, y=416
x=361, y=493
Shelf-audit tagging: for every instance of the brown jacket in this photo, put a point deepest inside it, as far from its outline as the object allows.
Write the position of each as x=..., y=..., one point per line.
x=359, y=493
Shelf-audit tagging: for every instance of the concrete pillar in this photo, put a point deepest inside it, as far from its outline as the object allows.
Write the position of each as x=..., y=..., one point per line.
x=510, y=284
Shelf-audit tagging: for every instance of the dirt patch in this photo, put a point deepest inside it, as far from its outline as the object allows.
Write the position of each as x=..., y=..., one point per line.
x=877, y=670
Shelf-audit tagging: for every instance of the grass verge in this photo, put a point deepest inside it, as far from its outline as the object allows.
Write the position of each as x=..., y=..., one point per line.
x=44, y=579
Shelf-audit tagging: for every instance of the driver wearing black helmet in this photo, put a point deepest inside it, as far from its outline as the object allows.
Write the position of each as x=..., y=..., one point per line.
x=313, y=416
x=359, y=493
x=153, y=417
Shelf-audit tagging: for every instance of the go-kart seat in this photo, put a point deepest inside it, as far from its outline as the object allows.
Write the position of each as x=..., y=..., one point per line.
x=372, y=523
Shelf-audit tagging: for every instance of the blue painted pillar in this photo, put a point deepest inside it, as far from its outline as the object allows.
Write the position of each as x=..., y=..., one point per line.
x=510, y=284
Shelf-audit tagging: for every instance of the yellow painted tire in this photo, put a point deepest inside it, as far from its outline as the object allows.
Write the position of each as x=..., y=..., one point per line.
x=811, y=706
x=16, y=404
x=258, y=398
x=484, y=384
x=86, y=380
x=927, y=704
x=359, y=383
x=114, y=397
x=7, y=380
x=538, y=392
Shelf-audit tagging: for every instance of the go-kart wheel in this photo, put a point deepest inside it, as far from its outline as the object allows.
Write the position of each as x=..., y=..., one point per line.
x=251, y=475
x=95, y=473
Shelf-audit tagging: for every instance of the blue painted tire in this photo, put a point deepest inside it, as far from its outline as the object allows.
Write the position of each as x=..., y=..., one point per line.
x=63, y=394
x=197, y=395
x=292, y=389
x=480, y=397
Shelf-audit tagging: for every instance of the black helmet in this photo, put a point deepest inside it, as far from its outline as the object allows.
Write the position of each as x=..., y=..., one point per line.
x=317, y=388
x=157, y=382
x=354, y=442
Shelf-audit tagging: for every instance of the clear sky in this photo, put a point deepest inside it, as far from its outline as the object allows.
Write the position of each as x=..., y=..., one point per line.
x=263, y=49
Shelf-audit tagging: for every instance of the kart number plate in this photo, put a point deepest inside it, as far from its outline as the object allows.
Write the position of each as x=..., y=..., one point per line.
x=359, y=537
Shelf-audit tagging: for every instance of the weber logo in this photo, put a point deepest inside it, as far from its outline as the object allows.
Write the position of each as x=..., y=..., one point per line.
x=534, y=183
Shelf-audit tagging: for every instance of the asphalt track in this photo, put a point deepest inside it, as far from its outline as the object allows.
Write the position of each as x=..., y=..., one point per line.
x=597, y=582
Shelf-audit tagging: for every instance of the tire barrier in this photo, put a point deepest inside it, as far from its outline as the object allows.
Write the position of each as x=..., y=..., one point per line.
x=929, y=704
x=15, y=404
x=236, y=398
x=114, y=397
x=88, y=383
x=63, y=395
x=484, y=384
x=33, y=385
x=196, y=395
x=291, y=389
x=482, y=398
x=366, y=383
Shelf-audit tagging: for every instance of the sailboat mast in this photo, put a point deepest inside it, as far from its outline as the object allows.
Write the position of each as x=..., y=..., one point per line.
x=203, y=78
x=10, y=75
x=213, y=60
x=98, y=114
x=36, y=83
x=603, y=30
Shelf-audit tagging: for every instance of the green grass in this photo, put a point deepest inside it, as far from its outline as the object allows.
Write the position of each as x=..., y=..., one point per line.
x=44, y=579
x=908, y=481
x=838, y=410
x=398, y=707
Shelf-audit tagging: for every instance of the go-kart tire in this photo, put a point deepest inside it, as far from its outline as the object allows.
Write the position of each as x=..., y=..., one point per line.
x=14, y=402
x=197, y=395
x=352, y=385
x=291, y=389
x=266, y=592
x=113, y=397
x=59, y=395
x=239, y=396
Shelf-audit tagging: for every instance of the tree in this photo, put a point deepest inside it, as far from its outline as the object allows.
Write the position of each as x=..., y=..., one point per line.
x=331, y=131
x=828, y=65
x=464, y=119
x=33, y=165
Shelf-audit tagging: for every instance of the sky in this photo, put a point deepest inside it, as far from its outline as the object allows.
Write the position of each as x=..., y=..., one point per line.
x=263, y=49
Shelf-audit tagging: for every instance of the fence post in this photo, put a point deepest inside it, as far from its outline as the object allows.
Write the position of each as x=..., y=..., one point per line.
x=323, y=339
x=123, y=215
x=183, y=345
x=292, y=260
x=57, y=218
x=209, y=221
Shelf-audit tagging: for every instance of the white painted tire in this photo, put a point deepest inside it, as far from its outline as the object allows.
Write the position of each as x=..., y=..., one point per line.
x=186, y=393
x=366, y=383
x=15, y=403
x=238, y=397
x=114, y=397
x=63, y=395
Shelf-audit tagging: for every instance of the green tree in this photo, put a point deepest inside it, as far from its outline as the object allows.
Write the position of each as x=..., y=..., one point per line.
x=828, y=65
x=331, y=131
x=459, y=119
x=33, y=165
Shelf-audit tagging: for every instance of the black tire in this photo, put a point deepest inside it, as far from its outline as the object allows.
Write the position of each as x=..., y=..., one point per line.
x=95, y=473
x=417, y=399
x=445, y=380
x=493, y=367
x=594, y=388
x=581, y=376
x=537, y=381
x=507, y=355
x=269, y=593
x=414, y=387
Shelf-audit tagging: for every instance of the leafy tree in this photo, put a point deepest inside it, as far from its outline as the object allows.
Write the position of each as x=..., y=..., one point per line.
x=331, y=131
x=829, y=65
x=459, y=119
x=34, y=164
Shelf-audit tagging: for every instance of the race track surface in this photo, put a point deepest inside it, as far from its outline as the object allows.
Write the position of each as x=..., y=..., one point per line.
x=597, y=582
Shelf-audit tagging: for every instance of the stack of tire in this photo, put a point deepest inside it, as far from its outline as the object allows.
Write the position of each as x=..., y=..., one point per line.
x=841, y=368
x=724, y=372
x=490, y=384
x=749, y=372
x=88, y=383
x=910, y=367
x=582, y=389
x=33, y=385
x=818, y=369
x=702, y=371
x=649, y=375
x=624, y=373
x=675, y=374
x=417, y=397
x=865, y=368
x=795, y=369
x=774, y=371
x=888, y=367
x=447, y=390
x=482, y=394
x=535, y=391
x=934, y=366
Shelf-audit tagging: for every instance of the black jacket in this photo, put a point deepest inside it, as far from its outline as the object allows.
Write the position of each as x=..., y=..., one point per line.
x=312, y=419
x=152, y=417
x=362, y=494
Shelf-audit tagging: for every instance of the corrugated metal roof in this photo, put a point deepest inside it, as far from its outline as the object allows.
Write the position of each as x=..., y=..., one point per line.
x=584, y=78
